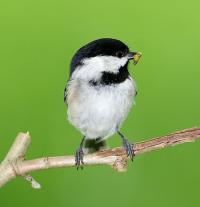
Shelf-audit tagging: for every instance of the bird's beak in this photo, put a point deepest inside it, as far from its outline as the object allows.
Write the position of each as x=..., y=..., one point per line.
x=135, y=56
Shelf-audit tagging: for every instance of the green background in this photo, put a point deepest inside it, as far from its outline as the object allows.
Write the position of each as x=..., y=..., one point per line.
x=37, y=41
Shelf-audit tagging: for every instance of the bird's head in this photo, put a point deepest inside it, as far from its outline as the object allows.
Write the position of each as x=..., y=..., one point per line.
x=101, y=56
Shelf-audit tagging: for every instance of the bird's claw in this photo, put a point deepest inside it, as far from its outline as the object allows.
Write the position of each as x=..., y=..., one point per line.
x=79, y=158
x=129, y=149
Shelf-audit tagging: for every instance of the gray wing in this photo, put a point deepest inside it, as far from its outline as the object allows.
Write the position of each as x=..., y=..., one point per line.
x=65, y=93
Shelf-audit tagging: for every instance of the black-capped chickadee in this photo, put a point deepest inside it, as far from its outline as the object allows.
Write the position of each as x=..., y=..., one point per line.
x=100, y=92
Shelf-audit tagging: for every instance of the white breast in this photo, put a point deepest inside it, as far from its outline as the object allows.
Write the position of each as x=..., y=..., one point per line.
x=99, y=111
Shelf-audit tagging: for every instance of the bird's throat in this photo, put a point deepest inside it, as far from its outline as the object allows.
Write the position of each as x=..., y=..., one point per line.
x=109, y=78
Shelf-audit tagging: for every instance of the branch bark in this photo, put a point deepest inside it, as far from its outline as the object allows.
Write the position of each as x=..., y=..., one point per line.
x=15, y=164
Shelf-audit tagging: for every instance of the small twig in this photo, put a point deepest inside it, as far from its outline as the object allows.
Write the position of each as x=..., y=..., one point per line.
x=15, y=165
x=18, y=148
x=33, y=182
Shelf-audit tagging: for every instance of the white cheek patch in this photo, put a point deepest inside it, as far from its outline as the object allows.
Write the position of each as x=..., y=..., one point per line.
x=92, y=68
x=112, y=64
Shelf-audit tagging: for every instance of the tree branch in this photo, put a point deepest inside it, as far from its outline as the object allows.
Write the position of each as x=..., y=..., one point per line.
x=15, y=165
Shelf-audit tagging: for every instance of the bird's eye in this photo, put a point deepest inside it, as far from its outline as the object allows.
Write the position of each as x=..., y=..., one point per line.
x=119, y=54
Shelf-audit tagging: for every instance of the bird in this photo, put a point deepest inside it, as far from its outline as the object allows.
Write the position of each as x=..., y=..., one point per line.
x=99, y=94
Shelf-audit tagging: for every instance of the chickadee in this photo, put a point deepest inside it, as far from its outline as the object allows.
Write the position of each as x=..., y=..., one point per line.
x=100, y=92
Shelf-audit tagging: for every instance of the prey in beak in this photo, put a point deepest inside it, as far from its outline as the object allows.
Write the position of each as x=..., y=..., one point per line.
x=135, y=56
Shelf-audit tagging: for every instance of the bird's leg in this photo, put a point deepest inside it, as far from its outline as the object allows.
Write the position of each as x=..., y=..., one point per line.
x=128, y=147
x=79, y=155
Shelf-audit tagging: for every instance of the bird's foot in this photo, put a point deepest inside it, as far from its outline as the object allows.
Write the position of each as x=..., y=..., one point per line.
x=79, y=158
x=129, y=149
